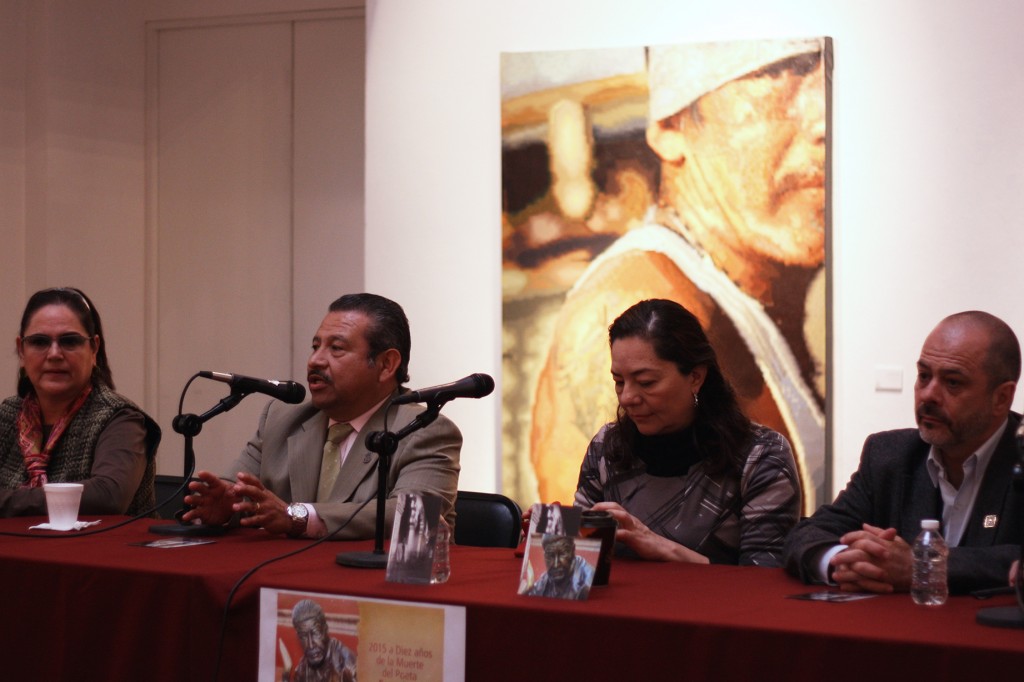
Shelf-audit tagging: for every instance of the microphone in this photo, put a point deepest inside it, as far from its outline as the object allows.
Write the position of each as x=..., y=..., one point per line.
x=285, y=391
x=473, y=386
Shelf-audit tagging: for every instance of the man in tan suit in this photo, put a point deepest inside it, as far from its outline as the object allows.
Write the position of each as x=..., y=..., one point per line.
x=308, y=469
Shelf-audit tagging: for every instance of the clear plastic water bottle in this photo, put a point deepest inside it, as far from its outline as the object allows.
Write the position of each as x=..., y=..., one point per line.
x=928, y=584
x=442, y=567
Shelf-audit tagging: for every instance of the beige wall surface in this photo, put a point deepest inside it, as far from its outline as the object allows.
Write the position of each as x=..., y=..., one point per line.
x=80, y=140
x=13, y=57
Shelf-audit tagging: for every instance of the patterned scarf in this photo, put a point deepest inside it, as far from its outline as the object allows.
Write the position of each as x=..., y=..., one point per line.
x=30, y=435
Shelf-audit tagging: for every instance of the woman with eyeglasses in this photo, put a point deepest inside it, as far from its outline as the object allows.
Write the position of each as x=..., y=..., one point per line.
x=66, y=424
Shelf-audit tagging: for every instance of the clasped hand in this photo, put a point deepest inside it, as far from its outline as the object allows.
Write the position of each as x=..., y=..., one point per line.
x=214, y=501
x=875, y=560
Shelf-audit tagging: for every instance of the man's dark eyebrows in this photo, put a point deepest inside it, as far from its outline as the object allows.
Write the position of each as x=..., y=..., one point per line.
x=947, y=372
x=330, y=338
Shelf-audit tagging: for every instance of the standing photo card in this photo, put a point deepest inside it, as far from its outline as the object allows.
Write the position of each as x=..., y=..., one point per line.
x=559, y=566
x=411, y=554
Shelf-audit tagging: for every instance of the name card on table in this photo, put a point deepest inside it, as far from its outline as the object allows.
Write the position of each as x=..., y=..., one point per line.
x=359, y=638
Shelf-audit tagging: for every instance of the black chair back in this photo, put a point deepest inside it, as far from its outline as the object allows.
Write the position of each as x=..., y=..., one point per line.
x=487, y=520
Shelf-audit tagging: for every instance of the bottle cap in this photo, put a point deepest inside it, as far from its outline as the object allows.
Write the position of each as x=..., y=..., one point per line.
x=929, y=524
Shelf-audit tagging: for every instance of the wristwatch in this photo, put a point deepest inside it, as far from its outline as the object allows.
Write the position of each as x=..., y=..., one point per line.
x=299, y=515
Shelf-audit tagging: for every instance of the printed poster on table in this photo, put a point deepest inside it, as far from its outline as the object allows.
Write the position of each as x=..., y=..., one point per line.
x=358, y=638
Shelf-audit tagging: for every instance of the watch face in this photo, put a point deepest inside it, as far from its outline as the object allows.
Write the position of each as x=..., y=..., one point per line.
x=299, y=514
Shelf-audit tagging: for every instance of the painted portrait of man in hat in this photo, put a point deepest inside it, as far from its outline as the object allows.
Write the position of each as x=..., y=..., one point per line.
x=697, y=173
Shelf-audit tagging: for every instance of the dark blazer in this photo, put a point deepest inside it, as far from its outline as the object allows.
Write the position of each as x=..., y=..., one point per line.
x=891, y=489
x=286, y=451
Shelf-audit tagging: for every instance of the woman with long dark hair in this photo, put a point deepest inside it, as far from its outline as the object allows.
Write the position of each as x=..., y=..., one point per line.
x=685, y=473
x=66, y=424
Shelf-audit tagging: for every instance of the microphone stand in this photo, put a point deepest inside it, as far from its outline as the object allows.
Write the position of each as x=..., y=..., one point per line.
x=1010, y=616
x=385, y=444
x=189, y=425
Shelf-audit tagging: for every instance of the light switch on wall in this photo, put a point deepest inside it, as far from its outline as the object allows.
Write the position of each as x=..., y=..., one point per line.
x=889, y=378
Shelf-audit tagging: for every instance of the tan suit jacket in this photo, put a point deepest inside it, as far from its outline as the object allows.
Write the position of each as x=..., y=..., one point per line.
x=286, y=451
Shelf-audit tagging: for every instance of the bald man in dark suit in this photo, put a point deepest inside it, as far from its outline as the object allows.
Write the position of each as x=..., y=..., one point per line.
x=956, y=467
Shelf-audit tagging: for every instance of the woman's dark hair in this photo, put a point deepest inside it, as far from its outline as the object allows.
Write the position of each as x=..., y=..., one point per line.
x=721, y=430
x=78, y=303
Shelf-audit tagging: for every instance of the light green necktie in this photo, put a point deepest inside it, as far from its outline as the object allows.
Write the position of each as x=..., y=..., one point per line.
x=331, y=463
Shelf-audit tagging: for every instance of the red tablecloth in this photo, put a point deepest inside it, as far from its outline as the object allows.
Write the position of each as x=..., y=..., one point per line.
x=99, y=608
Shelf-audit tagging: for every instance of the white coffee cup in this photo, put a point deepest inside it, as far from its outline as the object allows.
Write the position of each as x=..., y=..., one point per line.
x=62, y=500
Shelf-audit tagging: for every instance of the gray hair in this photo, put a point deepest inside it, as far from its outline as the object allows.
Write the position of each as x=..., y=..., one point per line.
x=308, y=609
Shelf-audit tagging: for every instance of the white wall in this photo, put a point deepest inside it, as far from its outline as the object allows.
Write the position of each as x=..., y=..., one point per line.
x=928, y=174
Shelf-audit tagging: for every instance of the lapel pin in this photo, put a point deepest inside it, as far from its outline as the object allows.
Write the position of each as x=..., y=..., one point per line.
x=990, y=521
x=366, y=460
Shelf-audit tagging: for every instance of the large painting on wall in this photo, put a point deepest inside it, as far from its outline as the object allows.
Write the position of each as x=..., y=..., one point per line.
x=693, y=172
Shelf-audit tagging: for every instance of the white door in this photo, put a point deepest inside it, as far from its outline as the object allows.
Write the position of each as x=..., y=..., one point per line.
x=254, y=207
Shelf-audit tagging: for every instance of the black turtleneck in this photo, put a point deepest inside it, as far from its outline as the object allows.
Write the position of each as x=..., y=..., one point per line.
x=669, y=454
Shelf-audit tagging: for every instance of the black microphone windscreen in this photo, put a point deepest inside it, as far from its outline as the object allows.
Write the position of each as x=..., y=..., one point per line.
x=486, y=383
x=294, y=394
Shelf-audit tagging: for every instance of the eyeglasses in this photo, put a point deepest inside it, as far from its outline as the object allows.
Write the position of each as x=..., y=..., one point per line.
x=41, y=343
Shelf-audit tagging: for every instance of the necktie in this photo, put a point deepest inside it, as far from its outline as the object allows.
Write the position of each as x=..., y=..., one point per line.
x=330, y=464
